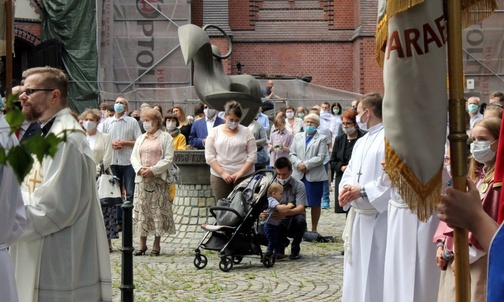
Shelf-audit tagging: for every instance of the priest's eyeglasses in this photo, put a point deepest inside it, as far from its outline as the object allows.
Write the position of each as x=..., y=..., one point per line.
x=31, y=91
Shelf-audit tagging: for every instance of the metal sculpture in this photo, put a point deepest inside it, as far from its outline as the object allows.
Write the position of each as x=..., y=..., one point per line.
x=212, y=85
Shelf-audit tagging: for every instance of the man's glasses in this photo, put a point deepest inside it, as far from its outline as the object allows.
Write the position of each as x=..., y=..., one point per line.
x=31, y=91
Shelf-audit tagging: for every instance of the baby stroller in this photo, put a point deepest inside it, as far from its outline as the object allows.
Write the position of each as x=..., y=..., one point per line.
x=235, y=232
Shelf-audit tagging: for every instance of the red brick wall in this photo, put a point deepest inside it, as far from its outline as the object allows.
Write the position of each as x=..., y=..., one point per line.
x=343, y=65
x=28, y=32
x=240, y=15
x=329, y=64
x=222, y=44
x=342, y=18
x=369, y=74
x=357, y=16
x=197, y=12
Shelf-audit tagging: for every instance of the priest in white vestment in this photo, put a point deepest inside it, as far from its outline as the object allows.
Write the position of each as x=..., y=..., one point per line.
x=365, y=233
x=62, y=254
x=12, y=217
x=411, y=274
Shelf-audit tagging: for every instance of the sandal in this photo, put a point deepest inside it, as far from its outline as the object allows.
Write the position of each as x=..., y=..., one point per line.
x=154, y=253
x=140, y=252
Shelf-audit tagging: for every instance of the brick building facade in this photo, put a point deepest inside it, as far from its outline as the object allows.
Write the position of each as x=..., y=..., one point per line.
x=331, y=41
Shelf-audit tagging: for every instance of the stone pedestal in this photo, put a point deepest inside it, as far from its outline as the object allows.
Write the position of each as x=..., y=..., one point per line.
x=193, y=198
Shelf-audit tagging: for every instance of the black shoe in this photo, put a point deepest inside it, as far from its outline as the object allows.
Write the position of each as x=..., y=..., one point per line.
x=295, y=256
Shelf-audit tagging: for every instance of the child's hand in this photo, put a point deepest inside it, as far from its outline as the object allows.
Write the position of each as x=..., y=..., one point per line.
x=291, y=205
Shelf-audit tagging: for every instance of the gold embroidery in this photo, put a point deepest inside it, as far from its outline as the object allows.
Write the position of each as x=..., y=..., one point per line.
x=35, y=177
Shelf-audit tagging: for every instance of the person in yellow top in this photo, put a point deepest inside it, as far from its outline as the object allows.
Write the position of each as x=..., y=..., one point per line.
x=179, y=141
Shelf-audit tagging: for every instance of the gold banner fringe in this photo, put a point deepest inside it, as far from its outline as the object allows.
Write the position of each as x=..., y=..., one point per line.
x=396, y=6
x=421, y=199
x=381, y=40
x=473, y=11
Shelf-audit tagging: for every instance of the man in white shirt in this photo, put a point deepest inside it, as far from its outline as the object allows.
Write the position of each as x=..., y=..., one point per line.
x=123, y=131
x=473, y=105
x=201, y=128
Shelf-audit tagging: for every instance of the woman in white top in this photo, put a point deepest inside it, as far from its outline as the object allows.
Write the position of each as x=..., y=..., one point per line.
x=293, y=124
x=101, y=146
x=230, y=150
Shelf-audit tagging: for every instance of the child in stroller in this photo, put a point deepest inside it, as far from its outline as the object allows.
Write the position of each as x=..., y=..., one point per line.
x=234, y=234
x=272, y=225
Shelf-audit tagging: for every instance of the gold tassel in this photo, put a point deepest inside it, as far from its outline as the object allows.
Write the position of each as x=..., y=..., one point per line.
x=397, y=6
x=421, y=199
x=473, y=11
x=381, y=40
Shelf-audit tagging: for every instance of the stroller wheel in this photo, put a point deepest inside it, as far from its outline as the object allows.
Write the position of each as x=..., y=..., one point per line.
x=237, y=259
x=226, y=264
x=200, y=261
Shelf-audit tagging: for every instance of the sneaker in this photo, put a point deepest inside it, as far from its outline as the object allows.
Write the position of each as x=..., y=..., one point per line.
x=325, y=205
x=295, y=256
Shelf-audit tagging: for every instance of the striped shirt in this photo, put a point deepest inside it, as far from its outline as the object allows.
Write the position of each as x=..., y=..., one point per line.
x=124, y=128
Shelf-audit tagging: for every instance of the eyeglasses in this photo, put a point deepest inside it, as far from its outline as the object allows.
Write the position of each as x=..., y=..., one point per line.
x=31, y=91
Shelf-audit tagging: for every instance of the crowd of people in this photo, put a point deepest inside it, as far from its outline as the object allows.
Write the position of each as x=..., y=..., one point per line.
x=309, y=148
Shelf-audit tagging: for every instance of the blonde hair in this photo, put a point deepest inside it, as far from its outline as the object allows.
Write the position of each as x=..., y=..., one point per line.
x=95, y=112
x=492, y=124
x=312, y=116
x=53, y=78
x=153, y=114
x=274, y=187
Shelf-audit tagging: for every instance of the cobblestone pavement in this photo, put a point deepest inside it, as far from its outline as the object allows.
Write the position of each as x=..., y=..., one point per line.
x=317, y=276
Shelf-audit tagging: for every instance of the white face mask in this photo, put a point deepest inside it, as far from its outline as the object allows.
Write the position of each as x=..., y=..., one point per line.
x=232, y=125
x=481, y=151
x=104, y=113
x=290, y=115
x=209, y=113
x=148, y=126
x=283, y=181
x=89, y=125
x=349, y=130
x=362, y=125
x=171, y=126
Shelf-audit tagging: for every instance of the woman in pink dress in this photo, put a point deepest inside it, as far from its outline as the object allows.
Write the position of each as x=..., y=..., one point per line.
x=151, y=158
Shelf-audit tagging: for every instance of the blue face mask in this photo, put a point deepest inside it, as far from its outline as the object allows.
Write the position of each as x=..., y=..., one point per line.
x=472, y=108
x=119, y=108
x=335, y=110
x=310, y=129
x=301, y=115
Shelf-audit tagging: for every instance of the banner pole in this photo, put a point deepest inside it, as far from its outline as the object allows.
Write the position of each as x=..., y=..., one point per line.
x=9, y=18
x=458, y=142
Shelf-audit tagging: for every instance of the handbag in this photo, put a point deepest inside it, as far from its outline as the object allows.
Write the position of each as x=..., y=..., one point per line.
x=262, y=156
x=109, y=188
x=173, y=175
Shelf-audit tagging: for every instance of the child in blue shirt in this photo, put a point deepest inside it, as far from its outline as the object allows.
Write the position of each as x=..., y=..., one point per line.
x=272, y=225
